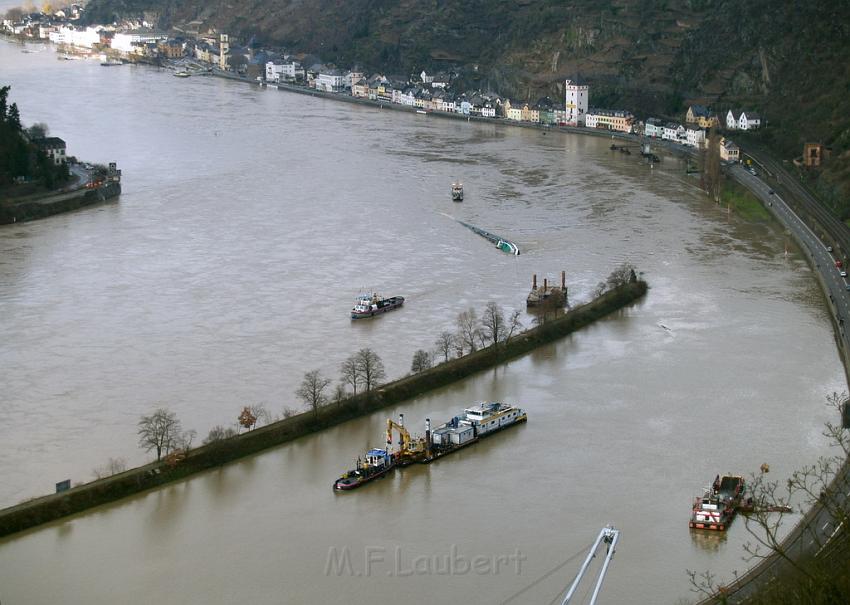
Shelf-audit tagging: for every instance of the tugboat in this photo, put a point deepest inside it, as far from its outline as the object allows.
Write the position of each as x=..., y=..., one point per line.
x=717, y=507
x=369, y=305
x=457, y=192
x=377, y=464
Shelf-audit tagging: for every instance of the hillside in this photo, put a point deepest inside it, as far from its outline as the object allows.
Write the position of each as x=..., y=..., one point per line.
x=789, y=60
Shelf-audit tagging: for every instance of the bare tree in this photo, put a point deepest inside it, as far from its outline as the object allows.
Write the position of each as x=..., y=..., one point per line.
x=112, y=467
x=599, y=290
x=467, y=329
x=421, y=361
x=312, y=390
x=218, y=433
x=159, y=431
x=458, y=346
x=552, y=306
x=622, y=275
x=260, y=413
x=339, y=393
x=445, y=344
x=370, y=367
x=350, y=372
x=186, y=440
x=493, y=326
x=514, y=325
x=289, y=412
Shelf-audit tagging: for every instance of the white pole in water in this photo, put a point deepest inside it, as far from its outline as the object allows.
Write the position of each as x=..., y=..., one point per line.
x=610, y=536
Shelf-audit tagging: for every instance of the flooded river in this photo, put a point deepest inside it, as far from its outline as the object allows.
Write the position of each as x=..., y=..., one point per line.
x=250, y=220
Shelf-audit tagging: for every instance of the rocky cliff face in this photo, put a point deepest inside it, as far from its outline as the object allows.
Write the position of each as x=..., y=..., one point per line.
x=786, y=59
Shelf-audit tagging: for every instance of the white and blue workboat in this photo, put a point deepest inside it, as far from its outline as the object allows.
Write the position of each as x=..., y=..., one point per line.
x=369, y=305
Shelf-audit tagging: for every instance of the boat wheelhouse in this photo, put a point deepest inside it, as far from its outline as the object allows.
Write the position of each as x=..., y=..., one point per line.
x=491, y=416
x=376, y=464
x=457, y=192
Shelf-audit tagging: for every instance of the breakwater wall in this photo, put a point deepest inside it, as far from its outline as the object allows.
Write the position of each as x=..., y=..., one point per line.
x=80, y=498
x=17, y=212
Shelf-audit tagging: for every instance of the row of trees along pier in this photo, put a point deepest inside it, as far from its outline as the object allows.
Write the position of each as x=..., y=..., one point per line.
x=360, y=373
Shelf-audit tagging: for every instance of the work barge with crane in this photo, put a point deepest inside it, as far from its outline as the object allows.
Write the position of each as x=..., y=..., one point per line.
x=474, y=423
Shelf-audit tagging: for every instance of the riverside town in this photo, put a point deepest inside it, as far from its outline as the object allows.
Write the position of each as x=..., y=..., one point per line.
x=192, y=52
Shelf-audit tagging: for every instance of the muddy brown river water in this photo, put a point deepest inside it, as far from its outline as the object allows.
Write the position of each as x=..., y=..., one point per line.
x=250, y=220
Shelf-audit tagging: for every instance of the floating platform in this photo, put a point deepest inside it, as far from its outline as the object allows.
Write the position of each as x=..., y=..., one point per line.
x=540, y=296
x=716, y=509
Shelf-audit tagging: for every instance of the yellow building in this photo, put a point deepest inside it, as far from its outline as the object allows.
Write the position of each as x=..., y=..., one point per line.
x=701, y=116
x=729, y=152
x=609, y=119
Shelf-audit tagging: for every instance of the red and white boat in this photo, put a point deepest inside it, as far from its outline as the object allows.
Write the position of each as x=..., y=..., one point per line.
x=715, y=509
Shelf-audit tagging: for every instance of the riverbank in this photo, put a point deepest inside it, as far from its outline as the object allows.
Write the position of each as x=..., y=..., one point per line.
x=57, y=203
x=56, y=506
x=334, y=96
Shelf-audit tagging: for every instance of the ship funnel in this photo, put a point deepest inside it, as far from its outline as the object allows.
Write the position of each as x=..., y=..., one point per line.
x=545, y=284
x=428, y=437
x=401, y=419
x=564, y=281
x=534, y=281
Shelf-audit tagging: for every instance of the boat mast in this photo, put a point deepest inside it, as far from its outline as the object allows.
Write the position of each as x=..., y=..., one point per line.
x=609, y=535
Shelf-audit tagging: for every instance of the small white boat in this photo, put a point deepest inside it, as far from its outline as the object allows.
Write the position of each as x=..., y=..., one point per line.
x=107, y=62
x=181, y=74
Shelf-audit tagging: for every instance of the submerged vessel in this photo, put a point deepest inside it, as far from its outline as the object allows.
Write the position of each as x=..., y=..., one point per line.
x=716, y=508
x=376, y=464
x=181, y=74
x=501, y=243
x=369, y=305
x=457, y=192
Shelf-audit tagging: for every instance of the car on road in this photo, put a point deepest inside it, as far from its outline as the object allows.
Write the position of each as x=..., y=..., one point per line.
x=771, y=192
x=829, y=248
x=843, y=273
x=752, y=171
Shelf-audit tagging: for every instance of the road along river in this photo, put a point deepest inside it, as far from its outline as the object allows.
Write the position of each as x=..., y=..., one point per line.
x=249, y=221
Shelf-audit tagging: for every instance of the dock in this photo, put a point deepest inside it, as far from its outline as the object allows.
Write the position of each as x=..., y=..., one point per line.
x=548, y=294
